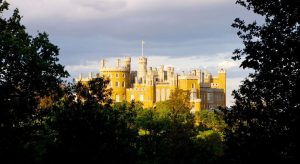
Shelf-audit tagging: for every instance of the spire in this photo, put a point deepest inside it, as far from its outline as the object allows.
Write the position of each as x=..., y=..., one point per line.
x=143, y=48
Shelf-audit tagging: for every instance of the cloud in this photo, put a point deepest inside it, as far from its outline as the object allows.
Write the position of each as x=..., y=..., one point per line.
x=77, y=10
x=227, y=64
x=88, y=67
x=129, y=19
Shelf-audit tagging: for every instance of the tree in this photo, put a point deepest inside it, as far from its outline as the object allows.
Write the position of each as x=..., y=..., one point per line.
x=86, y=127
x=264, y=121
x=29, y=70
x=168, y=134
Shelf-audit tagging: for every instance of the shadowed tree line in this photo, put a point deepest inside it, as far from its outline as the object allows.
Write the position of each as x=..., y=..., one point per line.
x=263, y=124
x=46, y=120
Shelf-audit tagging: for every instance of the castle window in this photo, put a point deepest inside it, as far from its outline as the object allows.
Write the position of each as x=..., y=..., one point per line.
x=117, y=98
x=131, y=97
x=124, y=75
x=117, y=75
x=210, y=97
x=142, y=98
x=123, y=84
x=117, y=84
x=193, y=85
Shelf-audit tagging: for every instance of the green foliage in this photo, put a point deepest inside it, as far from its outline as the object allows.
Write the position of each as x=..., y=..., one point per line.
x=29, y=70
x=86, y=128
x=211, y=120
x=264, y=122
x=168, y=134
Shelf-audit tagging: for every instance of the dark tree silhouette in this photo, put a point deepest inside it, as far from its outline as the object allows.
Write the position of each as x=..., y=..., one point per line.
x=28, y=72
x=86, y=128
x=264, y=121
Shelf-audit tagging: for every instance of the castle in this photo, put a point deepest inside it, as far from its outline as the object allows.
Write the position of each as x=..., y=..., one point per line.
x=150, y=85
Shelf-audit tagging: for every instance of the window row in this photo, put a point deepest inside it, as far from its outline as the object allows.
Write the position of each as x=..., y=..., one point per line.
x=117, y=84
x=117, y=75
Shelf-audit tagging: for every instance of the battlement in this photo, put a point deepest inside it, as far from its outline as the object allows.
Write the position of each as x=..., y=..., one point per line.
x=118, y=65
x=142, y=59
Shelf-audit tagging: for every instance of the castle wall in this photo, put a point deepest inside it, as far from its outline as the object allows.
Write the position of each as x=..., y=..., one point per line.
x=151, y=85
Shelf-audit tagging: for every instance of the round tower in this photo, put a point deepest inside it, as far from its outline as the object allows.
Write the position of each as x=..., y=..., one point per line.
x=127, y=62
x=142, y=62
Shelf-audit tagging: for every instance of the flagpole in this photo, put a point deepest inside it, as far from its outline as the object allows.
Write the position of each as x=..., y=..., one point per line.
x=143, y=48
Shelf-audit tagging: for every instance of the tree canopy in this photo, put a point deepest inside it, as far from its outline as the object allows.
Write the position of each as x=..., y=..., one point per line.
x=264, y=120
x=29, y=70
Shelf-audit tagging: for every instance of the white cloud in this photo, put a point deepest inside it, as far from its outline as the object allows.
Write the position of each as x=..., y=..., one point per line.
x=232, y=84
x=228, y=64
x=89, y=66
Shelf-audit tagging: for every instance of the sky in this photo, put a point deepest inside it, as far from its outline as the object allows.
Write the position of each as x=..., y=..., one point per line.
x=186, y=34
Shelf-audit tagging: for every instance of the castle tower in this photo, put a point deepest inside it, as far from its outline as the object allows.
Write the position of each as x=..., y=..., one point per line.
x=222, y=82
x=118, y=61
x=90, y=75
x=102, y=64
x=127, y=62
x=161, y=73
x=222, y=79
x=207, y=77
x=142, y=62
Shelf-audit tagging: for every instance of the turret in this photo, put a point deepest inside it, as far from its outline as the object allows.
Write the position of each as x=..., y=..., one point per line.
x=127, y=62
x=222, y=79
x=118, y=63
x=161, y=73
x=193, y=72
x=169, y=74
x=142, y=62
x=80, y=76
x=102, y=64
x=207, y=77
x=198, y=74
x=149, y=71
x=90, y=75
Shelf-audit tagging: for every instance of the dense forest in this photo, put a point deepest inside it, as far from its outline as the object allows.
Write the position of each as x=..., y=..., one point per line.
x=44, y=119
